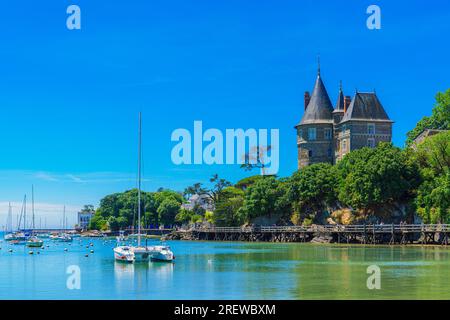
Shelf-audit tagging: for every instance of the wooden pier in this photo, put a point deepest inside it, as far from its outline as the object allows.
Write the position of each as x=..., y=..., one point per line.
x=364, y=234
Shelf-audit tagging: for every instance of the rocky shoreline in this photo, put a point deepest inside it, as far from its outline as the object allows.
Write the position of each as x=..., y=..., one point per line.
x=320, y=238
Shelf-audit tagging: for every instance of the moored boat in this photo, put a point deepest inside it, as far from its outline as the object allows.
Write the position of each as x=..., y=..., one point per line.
x=62, y=237
x=140, y=253
x=16, y=236
x=35, y=242
x=162, y=254
x=124, y=254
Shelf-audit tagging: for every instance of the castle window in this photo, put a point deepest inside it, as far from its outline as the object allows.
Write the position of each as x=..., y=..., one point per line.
x=311, y=133
x=371, y=128
x=327, y=133
x=371, y=143
x=344, y=145
x=310, y=153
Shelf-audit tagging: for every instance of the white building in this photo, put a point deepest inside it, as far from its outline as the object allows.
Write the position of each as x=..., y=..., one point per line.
x=203, y=201
x=84, y=219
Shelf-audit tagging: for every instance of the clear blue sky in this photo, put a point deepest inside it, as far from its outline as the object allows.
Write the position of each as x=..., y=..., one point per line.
x=69, y=99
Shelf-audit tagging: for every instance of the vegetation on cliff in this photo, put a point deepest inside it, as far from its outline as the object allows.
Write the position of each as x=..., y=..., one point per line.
x=370, y=184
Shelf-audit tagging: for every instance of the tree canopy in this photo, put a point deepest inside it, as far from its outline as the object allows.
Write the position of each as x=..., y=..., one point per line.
x=370, y=178
x=433, y=195
x=439, y=119
x=312, y=190
x=119, y=210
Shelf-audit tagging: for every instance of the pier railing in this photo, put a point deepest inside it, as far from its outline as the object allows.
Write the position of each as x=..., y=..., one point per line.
x=369, y=228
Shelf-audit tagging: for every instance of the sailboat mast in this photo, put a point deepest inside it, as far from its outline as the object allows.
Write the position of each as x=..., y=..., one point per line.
x=139, y=179
x=64, y=219
x=32, y=204
x=25, y=212
x=10, y=222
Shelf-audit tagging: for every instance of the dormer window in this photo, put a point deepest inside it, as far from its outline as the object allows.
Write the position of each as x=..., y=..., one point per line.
x=371, y=128
x=312, y=134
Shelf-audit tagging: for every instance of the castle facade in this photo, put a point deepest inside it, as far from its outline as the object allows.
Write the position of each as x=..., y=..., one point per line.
x=326, y=133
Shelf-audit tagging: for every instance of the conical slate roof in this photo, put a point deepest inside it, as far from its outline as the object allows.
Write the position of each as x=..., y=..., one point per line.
x=366, y=106
x=319, y=109
x=340, y=101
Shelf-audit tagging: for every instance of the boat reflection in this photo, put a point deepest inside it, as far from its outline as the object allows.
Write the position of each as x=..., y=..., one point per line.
x=123, y=270
x=163, y=270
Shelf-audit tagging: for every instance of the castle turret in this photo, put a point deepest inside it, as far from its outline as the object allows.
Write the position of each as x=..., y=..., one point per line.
x=315, y=130
x=339, y=111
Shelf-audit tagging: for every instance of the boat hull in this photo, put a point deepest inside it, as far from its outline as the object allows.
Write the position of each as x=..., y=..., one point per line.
x=141, y=255
x=163, y=257
x=123, y=254
x=35, y=244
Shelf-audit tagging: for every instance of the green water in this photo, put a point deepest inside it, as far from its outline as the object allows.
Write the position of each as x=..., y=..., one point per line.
x=220, y=270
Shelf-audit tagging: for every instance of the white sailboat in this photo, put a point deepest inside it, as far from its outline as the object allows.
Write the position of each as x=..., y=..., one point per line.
x=34, y=241
x=10, y=234
x=62, y=236
x=140, y=253
x=18, y=237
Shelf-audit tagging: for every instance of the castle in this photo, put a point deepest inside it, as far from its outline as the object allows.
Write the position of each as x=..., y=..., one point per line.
x=327, y=134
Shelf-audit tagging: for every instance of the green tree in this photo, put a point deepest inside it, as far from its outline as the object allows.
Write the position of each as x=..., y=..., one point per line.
x=439, y=119
x=247, y=182
x=88, y=208
x=433, y=196
x=168, y=210
x=434, y=153
x=373, y=178
x=119, y=210
x=433, y=200
x=312, y=190
x=184, y=216
x=266, y=197
x=229, y=202
x=218, y=184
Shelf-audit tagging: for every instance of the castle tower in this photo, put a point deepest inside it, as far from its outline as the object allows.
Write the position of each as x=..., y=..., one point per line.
x=365, y=124
x=315, y=130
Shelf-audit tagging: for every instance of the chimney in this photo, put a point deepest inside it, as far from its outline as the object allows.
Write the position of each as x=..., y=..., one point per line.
x=347, y=100
x=307, y=99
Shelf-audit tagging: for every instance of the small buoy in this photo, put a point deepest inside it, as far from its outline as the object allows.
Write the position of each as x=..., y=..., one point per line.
x=92, y=251
x=31, y=252
x=38, y=252
x=65, y=249
x=87, y=247
x=87, y=256
x=10, y=250
x=92, y=244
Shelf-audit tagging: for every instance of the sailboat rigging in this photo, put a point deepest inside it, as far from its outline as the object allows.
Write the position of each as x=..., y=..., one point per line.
x=141, y=253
